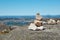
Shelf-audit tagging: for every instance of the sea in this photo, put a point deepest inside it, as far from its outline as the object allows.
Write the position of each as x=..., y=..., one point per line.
x=22, y=20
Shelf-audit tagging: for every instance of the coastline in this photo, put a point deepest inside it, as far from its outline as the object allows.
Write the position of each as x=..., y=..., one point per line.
x=21, y=32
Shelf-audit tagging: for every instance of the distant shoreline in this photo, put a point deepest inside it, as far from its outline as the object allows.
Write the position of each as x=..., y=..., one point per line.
x=32, y=16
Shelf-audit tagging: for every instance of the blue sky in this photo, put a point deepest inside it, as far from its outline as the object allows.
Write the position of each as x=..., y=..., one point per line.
x=29, y=7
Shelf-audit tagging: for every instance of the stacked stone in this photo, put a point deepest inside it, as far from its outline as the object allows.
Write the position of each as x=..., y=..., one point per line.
x=37, y=25
x=38, y=20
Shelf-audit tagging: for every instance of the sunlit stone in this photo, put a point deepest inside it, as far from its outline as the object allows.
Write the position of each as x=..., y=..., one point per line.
x=37, y=23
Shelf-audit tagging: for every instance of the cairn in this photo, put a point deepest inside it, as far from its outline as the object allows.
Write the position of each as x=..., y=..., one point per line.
x=38, y=20
x=37, y=25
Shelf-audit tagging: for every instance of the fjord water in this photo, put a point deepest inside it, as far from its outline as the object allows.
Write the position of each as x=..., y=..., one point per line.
x=22, y=20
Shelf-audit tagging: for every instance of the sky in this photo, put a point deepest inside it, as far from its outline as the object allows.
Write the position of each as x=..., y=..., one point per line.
x=29, y=7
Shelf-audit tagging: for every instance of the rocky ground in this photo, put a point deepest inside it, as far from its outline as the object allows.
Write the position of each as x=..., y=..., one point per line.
x=52, y=32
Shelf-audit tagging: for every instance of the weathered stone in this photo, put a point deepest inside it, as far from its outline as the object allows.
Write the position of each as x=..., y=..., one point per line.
x=38, y=17
x=4, y=28
x=58, y=21
x=37, y=23
x=51, y=21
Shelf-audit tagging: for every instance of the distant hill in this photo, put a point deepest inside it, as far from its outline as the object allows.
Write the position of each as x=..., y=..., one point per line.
x=16, y=17
x=51, y=16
